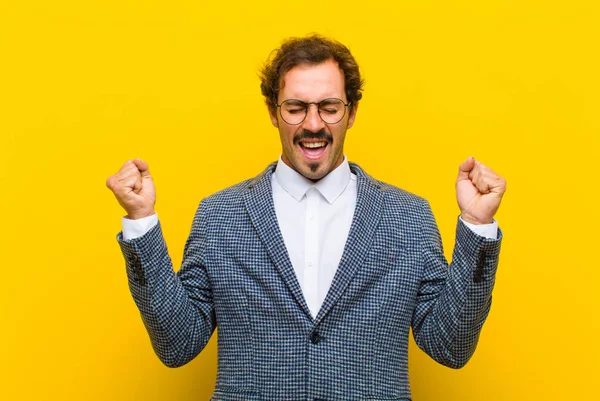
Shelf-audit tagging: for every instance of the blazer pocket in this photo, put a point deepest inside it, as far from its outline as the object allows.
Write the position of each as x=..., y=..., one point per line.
x=387, y=399
x=382, y=261
x=236, y=395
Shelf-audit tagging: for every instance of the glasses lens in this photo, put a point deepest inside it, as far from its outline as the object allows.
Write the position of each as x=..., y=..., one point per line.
x=332, y=110
x=293, y=111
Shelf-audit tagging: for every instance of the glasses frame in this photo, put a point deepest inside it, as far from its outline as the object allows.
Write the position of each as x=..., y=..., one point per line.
x=318, y=104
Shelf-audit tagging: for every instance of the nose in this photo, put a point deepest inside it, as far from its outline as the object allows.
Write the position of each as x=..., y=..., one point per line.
x=313, y=121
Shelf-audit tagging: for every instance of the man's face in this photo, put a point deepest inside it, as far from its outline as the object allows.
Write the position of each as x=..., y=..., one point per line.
x=313, y=148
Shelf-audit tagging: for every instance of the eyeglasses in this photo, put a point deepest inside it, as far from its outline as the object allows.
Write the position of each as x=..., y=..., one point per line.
x=331, y=111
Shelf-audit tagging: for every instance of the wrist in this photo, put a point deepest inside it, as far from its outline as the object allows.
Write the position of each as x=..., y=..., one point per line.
x=139, y=215
x=472, y=220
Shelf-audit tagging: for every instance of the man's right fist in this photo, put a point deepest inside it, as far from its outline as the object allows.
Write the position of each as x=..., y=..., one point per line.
x=134, y=189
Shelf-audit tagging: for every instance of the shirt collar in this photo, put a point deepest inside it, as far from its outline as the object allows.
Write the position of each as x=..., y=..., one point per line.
x=331, y=186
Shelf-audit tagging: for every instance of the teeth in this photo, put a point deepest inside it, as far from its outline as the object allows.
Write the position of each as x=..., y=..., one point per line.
x=314, y=144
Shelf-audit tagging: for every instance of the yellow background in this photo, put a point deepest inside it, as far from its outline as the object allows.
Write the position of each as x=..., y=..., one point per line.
x=86, y=85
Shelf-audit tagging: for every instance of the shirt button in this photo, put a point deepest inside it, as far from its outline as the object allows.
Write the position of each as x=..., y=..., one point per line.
x=310, y=263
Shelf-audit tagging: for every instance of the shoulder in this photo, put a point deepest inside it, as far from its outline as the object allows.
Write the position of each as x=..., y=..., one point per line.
x=232, y=197
x=402, y=213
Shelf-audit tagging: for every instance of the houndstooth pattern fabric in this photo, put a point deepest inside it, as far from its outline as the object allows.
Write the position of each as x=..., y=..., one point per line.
x=236, y=275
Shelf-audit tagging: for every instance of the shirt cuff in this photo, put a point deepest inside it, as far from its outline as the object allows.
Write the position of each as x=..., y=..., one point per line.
x=484, y=230
x=136, y=228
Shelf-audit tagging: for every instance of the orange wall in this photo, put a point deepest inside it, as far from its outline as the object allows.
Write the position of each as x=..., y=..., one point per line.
x=85, y=85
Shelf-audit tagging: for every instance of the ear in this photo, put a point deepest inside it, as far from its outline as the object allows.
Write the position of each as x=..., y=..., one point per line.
x=352, y=116
x=273, y=117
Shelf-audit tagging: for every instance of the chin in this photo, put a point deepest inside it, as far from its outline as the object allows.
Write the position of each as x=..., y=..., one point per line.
x=314, y=171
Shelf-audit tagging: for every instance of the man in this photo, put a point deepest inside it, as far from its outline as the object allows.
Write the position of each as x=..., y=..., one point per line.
x=313, y=270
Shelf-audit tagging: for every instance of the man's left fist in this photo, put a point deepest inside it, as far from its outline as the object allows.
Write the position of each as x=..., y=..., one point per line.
x=478, y=191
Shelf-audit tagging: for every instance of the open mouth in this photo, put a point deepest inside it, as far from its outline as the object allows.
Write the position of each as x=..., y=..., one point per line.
x=313, y=150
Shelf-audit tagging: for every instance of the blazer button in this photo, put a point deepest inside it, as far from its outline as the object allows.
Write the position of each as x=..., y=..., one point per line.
x=315, y=338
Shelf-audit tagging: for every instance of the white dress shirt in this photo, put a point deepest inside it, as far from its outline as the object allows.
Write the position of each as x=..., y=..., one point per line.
x=314, y=219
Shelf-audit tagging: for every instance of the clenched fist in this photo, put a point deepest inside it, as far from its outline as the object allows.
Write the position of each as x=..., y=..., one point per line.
x=134, y=189
x=478, y=191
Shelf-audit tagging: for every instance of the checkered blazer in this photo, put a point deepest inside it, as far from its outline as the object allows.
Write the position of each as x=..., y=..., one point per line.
x=236, y=275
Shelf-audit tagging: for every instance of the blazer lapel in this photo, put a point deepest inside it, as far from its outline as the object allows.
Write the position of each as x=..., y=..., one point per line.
x=259, y=204
x=369, y=205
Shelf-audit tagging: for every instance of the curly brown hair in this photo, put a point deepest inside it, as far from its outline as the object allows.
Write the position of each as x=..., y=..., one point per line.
x=312, y=49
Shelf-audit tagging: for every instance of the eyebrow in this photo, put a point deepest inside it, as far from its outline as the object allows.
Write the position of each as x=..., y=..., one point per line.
x=295, y=102
x=302, y=102
x=329, y=100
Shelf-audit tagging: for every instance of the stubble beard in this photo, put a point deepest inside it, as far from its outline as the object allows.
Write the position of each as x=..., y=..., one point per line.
x=312, y=166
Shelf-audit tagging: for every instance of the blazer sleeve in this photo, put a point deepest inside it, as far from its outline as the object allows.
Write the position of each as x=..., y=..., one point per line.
x=453, y=301
x=176, y=308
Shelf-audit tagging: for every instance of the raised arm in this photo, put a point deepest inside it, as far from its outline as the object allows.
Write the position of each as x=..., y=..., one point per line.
x=454, y=301
x=176, y=308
